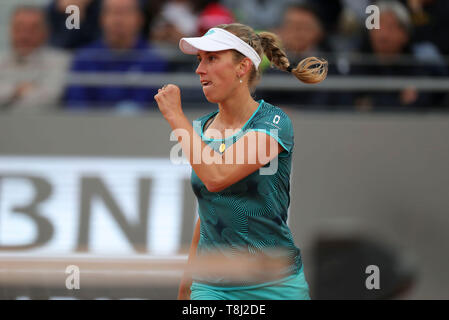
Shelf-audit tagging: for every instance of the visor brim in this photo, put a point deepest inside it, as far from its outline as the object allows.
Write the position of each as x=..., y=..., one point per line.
x=192, y=45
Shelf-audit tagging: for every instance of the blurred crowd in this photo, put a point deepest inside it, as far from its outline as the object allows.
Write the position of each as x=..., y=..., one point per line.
x=118, y=38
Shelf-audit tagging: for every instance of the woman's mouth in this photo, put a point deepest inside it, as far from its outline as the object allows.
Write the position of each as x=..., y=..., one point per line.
x=205, y=83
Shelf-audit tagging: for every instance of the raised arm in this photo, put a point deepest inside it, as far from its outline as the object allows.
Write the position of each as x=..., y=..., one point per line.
x=222, y=171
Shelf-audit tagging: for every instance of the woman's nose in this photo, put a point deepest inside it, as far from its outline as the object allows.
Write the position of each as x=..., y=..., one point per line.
x=200, y=69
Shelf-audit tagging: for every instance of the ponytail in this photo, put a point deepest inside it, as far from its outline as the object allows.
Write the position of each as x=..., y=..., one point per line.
x=309, y=70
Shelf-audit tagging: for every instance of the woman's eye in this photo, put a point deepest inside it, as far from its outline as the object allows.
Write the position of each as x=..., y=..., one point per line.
x=209, y=58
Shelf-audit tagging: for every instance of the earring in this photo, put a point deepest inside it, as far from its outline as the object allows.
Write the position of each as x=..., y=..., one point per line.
x=241, y=81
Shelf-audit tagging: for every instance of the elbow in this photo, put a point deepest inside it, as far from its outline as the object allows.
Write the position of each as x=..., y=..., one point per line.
x=216, y=181
x=214, y=186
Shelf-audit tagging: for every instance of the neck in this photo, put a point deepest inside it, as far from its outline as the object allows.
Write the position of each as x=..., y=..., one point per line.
x=236, y=109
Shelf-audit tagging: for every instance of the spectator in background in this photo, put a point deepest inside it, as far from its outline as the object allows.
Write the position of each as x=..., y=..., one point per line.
x=394, y=55
x=151, y=13
x=429, y=19
x=259, y=14
x=302, y=34
x=357, y=8
x=177, y=19
x=328, y=12
x=121, y=50
x=349, y=28
x=89, y=31
x=188, y=18
x=183, y=19
x=31, y=74
x=213, y=13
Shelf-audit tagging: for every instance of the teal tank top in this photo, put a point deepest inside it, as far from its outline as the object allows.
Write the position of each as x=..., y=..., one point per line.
x=249, y=216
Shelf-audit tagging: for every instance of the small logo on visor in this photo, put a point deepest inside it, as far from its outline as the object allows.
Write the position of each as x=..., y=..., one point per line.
x=209, y=32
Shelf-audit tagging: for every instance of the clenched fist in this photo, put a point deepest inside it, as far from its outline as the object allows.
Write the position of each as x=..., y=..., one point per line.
x=169, y=101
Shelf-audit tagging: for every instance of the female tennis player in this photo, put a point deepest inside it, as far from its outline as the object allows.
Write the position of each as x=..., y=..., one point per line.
x=240, y=209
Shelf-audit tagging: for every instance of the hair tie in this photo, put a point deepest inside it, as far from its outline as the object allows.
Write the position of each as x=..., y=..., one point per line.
x=289, y=69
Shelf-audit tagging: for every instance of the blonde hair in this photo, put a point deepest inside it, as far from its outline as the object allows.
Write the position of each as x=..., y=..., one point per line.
x=309, y=70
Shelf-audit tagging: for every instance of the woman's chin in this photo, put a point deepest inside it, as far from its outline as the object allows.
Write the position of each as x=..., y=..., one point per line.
x=211, y=98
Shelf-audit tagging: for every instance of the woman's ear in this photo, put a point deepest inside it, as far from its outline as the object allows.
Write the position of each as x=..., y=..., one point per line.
x=245, y=66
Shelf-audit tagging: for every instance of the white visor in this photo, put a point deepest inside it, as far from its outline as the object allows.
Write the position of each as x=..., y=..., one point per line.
x=217, y=39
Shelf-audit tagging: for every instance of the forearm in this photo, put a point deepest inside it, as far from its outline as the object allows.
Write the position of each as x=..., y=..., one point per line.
x=186, y=281
x=194, y=148
x=217, y=170
x=195, y=241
